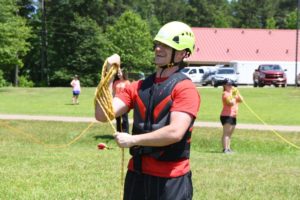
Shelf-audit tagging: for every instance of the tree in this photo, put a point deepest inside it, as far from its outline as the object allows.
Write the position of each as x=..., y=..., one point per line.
x=146, y=9
x=271, y=23
x=208, y=13
x=75, y=42
x=254, y=13
x=13, y=38
x=285, y=7
x=130, y=37
x=26, y=8
x=291, y=20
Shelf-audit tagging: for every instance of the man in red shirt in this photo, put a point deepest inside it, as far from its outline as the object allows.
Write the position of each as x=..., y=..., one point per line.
x=165, y=106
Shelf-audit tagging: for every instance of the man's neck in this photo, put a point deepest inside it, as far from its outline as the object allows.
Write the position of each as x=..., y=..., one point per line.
x=164, y=73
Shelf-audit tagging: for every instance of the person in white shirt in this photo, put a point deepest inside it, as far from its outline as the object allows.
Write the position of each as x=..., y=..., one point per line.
x=75, y=83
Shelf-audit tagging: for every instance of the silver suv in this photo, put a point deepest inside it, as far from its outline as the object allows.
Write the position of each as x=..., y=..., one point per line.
x=222, y=74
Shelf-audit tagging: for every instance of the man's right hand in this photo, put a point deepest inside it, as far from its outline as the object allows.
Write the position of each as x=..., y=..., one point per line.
x=113, y=59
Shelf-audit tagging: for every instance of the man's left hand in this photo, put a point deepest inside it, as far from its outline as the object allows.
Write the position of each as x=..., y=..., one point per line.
x=124, y=140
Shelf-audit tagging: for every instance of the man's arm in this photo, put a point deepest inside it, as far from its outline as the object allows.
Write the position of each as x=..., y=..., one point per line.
x=119, y=108
x=170, y=134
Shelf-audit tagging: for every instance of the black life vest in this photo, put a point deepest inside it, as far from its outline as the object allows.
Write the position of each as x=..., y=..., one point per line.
x=152, y=112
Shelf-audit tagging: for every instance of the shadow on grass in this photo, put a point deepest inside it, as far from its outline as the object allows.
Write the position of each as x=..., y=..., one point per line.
x=104, y=137
x=214, y=151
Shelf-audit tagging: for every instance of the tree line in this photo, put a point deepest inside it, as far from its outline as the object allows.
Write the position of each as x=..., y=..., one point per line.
x=46, y=42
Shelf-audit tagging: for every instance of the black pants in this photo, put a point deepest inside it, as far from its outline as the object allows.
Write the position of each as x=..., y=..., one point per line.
x=146, y=187
x=123, y=123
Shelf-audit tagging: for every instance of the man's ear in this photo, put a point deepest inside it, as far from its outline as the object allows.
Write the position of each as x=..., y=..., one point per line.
x=187, y=54
x=182, y=54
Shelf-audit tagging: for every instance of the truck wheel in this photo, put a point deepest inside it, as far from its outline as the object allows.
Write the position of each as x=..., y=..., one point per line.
x=255, y=84
x=213, y=83
x=283, y=85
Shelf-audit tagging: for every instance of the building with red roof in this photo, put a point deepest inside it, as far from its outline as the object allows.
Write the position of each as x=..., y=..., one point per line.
x=228, y=45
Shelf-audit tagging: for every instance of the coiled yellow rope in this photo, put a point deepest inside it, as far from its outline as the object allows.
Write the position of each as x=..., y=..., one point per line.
x=103, y=98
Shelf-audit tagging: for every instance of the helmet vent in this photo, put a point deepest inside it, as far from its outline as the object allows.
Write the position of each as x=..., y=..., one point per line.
x=176, y=39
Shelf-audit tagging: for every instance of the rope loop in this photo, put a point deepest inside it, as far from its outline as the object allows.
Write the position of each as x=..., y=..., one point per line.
x=103, y=96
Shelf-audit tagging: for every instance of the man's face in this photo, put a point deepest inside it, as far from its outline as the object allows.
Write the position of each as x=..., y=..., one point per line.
x=163, y=54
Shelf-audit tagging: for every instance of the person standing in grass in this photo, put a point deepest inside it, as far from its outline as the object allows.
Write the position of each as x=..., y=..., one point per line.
x=119, y=85
x=230, y=99
x=75, y=83
x=165, y=105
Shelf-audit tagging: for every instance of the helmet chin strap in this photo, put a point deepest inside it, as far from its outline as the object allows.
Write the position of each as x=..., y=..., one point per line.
x=172, y=62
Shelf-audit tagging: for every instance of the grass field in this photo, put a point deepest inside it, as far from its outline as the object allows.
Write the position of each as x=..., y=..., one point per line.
x=263, y=167
x=279, y=106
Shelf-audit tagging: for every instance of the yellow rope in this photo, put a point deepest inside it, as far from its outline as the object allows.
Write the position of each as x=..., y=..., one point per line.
x=103, y=98
x=40, y=142
x=270, y=128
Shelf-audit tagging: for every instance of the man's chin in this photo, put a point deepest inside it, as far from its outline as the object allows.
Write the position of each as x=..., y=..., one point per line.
x=159, y=64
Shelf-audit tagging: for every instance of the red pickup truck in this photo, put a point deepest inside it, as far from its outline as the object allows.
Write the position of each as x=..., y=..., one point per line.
x=269, y=74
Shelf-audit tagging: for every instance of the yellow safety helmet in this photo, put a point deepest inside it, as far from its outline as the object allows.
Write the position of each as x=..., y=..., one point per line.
x=177, y=35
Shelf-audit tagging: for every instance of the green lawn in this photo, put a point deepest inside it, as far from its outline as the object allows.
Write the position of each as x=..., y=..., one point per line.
x=46, y=101
x=273, y=105
x=262, y=167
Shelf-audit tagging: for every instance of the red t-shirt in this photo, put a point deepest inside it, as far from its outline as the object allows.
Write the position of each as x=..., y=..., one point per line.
x=119, y=85
x=185, y=99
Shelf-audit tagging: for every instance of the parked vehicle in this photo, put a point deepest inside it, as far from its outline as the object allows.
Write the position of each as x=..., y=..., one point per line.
x=195, y=73
x=269, y=74
x=298, y=80
x=208, y=76
x=224, y=73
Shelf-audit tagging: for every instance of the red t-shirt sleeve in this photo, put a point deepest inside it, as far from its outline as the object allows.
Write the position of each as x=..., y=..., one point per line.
x=186, y=98
x=128, y=95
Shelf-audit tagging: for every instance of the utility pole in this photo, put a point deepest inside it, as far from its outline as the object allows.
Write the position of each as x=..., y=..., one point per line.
x=16, y=76
x=44, y=63
x=16, y=82
x=297, y=39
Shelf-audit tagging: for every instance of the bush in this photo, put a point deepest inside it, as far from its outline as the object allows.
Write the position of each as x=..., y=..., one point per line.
x=25, y=82
x=2, y=80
